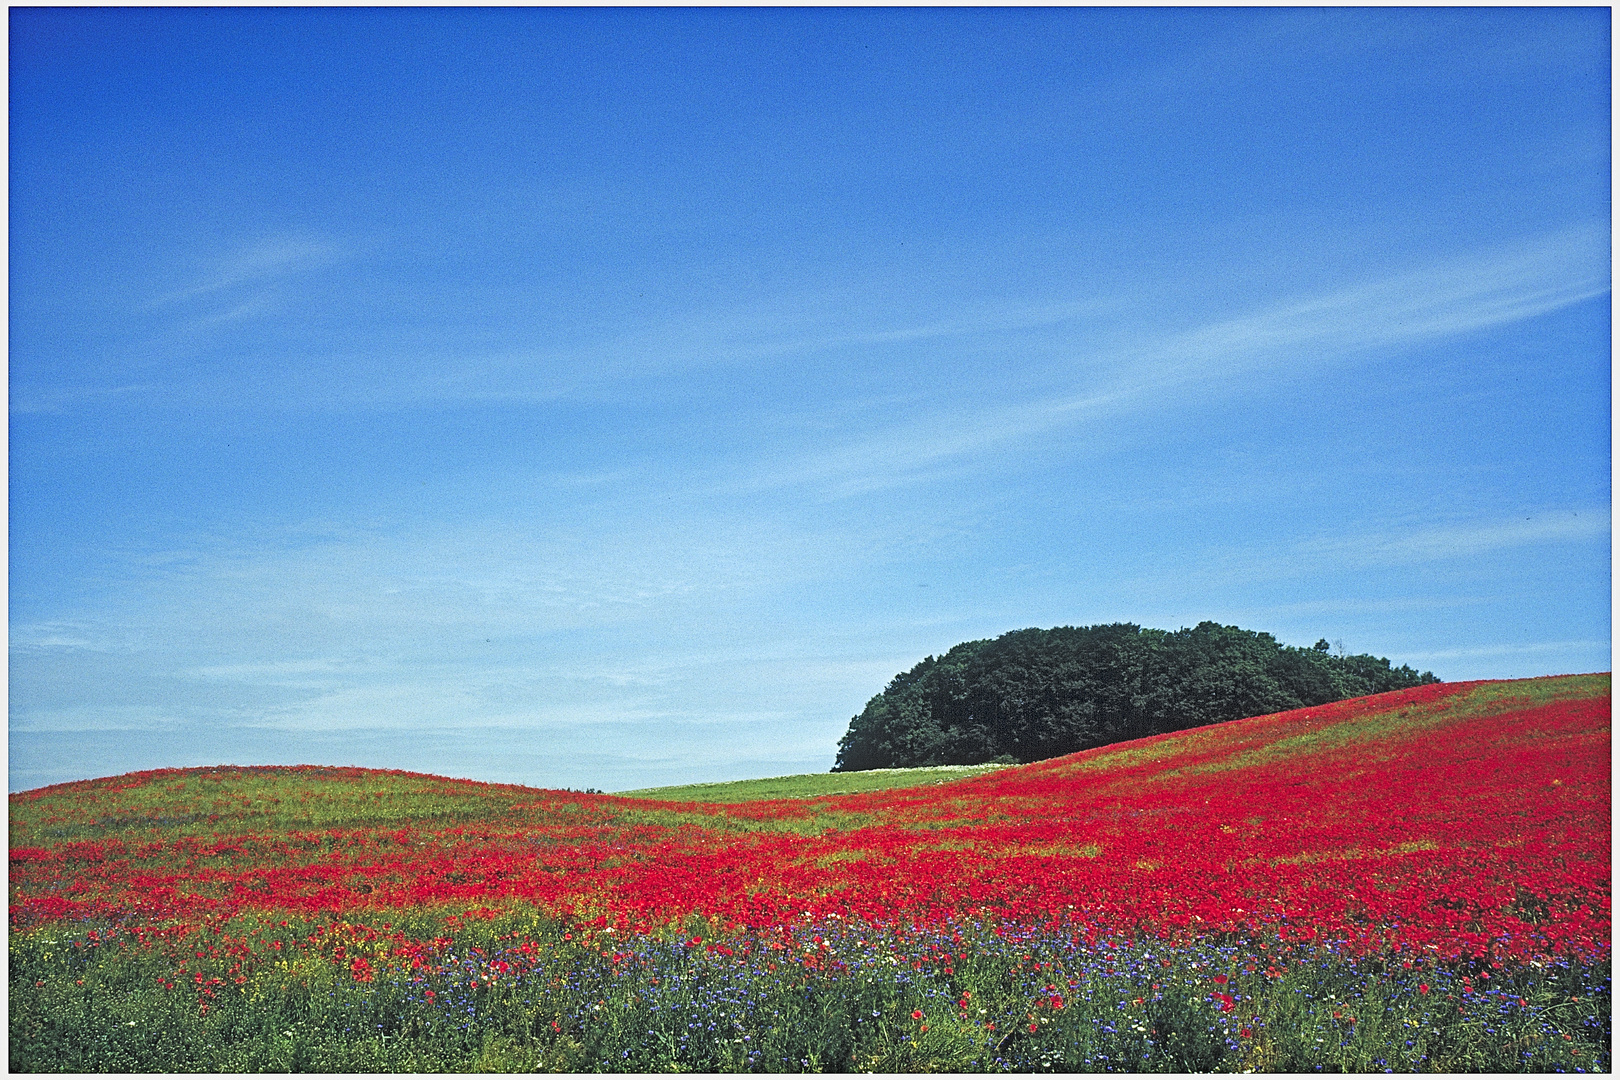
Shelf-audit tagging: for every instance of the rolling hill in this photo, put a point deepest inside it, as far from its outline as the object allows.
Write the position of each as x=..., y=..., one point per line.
x=1461, y=830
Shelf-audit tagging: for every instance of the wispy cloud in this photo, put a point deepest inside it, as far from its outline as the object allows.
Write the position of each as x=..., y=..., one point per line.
x=257, y=284
x=1534, y=648
x=61, y=635
x=102, y=717
x=1458, y=541
x=647, y=353
x=446, y=627
x=254, y=263
x=1394, y=555
x=57, y=399
x=1456, y=297
x=1142, y=368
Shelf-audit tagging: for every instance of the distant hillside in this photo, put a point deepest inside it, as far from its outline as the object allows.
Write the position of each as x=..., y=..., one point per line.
x=809, y=785
x=1034, y=694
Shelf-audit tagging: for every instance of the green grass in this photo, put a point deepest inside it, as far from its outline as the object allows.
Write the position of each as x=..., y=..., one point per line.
x=172, y=803
x=582, y=1001
x=810, y=785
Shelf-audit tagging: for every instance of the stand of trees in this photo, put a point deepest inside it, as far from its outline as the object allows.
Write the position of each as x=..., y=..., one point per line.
x=1033, y=694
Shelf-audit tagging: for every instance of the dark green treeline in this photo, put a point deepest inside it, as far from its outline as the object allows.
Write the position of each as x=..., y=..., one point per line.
x=1033, y=694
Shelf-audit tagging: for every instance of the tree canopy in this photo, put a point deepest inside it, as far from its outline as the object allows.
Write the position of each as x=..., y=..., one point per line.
x=1033, y=694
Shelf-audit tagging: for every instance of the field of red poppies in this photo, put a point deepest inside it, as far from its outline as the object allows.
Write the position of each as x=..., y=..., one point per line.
x=1433, y=863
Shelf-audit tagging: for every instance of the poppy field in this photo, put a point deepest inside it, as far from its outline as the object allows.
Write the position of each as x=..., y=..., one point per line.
x=1413, y=881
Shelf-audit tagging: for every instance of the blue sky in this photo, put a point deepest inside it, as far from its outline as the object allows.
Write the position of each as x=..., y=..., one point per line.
x=614, y=398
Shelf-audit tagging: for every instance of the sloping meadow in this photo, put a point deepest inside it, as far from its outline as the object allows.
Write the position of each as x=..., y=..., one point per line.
x=1432, y=864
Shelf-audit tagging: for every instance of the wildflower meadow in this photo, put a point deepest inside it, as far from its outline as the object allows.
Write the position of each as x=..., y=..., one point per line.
x=1414, y=881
